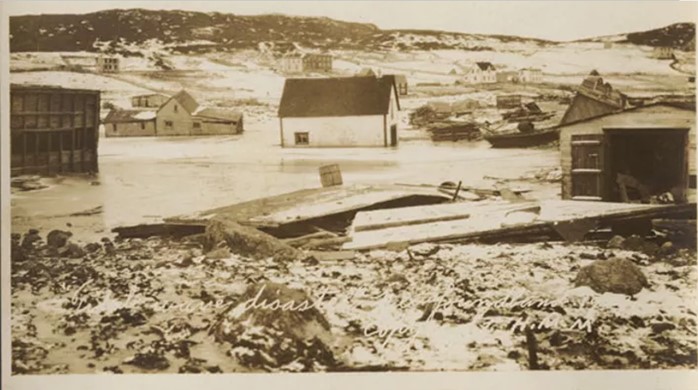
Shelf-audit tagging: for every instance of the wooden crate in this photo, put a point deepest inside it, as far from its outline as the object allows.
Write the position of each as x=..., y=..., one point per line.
x=330, y=175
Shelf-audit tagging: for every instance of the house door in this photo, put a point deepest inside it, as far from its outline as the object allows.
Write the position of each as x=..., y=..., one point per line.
x=587, y=167
x=393, y=135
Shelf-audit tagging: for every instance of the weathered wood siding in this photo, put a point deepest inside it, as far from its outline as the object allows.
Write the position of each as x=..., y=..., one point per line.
x=53, y=130
x=210, y=127
x=659, y=116
x=130, y=129
x=583, y=107
x=180, y=118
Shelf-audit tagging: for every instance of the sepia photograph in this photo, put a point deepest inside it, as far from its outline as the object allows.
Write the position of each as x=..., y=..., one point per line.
x=240, y=187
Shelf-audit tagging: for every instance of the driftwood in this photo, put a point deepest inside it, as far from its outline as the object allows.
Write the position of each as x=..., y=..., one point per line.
x=298, y=242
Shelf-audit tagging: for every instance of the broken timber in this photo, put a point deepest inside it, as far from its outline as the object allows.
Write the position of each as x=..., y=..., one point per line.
x=498, y=221
x=300, y=212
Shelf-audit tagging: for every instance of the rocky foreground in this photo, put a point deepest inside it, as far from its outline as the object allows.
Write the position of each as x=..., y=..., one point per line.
x=165, y=306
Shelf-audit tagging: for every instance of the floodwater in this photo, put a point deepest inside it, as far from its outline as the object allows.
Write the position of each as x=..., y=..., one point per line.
x=145, y=179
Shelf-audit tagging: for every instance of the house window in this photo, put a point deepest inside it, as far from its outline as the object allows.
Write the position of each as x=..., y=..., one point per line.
x=168, y=124
x=197, y=125
x=301, y=138
x=142, y=125
x=175, y=108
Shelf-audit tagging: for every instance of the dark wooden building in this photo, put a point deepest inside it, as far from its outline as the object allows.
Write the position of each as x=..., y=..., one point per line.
x=630, y=155
x=53, y=130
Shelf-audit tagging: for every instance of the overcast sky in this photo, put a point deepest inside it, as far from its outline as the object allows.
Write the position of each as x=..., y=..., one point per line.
x=555, y=20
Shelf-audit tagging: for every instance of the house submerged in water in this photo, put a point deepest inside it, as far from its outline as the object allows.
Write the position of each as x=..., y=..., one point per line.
x=179, y=115
x=339, y=112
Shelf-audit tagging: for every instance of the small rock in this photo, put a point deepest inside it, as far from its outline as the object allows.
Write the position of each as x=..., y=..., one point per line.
x=588, y=256
x=617, y=242
x=185, y=261
x=148, y=361
x=71, y=250
x=618, y=276
x=662, y=326
x=634, y=243
x=30, y=239
x=58, y=238
x=667, y=249
x=92, y=247
x=217, y=254
x=649, y=248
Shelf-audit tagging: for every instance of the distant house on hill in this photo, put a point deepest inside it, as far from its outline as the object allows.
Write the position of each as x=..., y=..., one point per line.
x=594, y=98
x=530, y=75
x=107, y=64
x=608, y=45
x=129, y=123
x=305, y=62
x=182, y=115
x=339, y=112
x=480, y=72
x=151, y=100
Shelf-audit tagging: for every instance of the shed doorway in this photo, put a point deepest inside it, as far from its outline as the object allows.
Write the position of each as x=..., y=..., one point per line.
x=647, y=165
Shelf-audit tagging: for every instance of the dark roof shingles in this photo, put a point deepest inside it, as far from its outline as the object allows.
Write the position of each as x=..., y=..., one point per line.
x=348, y=96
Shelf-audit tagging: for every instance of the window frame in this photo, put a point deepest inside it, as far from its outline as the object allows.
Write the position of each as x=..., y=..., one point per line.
x=298, y=138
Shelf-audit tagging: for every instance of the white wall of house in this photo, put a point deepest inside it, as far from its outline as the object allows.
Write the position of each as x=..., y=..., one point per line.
x=478, y=76
x=343, y=131
x=291, y=64
x=530, y=76
x=173, y=119
x=335, y=131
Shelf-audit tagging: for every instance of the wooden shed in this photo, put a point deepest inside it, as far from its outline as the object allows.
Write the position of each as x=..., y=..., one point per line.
x=53, y=129
x=630, y=155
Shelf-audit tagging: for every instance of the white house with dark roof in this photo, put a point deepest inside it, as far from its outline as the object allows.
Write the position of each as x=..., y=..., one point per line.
x=479, y=73
x=339, y=112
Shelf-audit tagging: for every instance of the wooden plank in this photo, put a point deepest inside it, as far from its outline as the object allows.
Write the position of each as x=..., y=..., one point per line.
x=483, y=217
x=262, y=212
x=495, y=222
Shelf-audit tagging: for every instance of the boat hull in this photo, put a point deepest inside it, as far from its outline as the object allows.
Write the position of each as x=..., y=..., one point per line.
x=522, y=140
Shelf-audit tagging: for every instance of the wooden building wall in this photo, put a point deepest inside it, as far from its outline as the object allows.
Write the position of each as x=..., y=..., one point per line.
x=53, y=130
x=130, y=129
x=583, y=107
x=174, y=113
x=658, y=116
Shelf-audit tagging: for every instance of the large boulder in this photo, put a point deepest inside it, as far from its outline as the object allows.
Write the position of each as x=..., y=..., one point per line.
x=620, y=276
x=247, y=241
x=275, y=327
